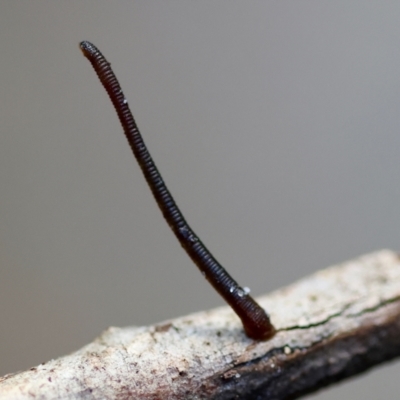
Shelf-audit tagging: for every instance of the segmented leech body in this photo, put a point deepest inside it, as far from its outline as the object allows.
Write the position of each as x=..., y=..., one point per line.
x=255, y=320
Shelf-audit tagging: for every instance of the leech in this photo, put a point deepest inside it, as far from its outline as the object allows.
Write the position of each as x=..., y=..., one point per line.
x=255, y=320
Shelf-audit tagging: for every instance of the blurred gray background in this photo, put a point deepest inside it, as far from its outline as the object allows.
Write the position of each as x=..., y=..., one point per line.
x=275, y=125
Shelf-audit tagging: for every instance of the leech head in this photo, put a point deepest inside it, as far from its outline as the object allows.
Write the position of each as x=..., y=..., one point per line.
x=87, y=47
x=255, y=320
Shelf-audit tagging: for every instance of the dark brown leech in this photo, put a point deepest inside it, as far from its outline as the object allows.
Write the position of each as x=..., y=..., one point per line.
x=255, y=320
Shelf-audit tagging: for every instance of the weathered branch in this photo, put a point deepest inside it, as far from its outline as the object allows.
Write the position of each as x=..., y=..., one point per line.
x=331, y=325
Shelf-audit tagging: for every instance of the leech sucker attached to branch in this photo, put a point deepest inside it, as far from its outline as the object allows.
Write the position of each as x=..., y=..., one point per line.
x=255, y=320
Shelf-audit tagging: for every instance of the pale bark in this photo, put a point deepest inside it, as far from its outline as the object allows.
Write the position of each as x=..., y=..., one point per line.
x=331, y=325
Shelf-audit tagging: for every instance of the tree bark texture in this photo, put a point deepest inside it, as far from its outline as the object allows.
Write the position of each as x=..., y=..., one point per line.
x=332, y=325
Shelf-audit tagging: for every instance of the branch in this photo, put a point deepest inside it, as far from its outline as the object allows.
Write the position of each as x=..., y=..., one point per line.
x=332, y=325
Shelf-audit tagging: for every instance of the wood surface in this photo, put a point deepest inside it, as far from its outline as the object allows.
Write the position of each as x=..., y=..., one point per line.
x=331, y=325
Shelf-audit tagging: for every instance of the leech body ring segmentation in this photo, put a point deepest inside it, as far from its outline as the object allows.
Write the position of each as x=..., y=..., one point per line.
x=255, y=320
